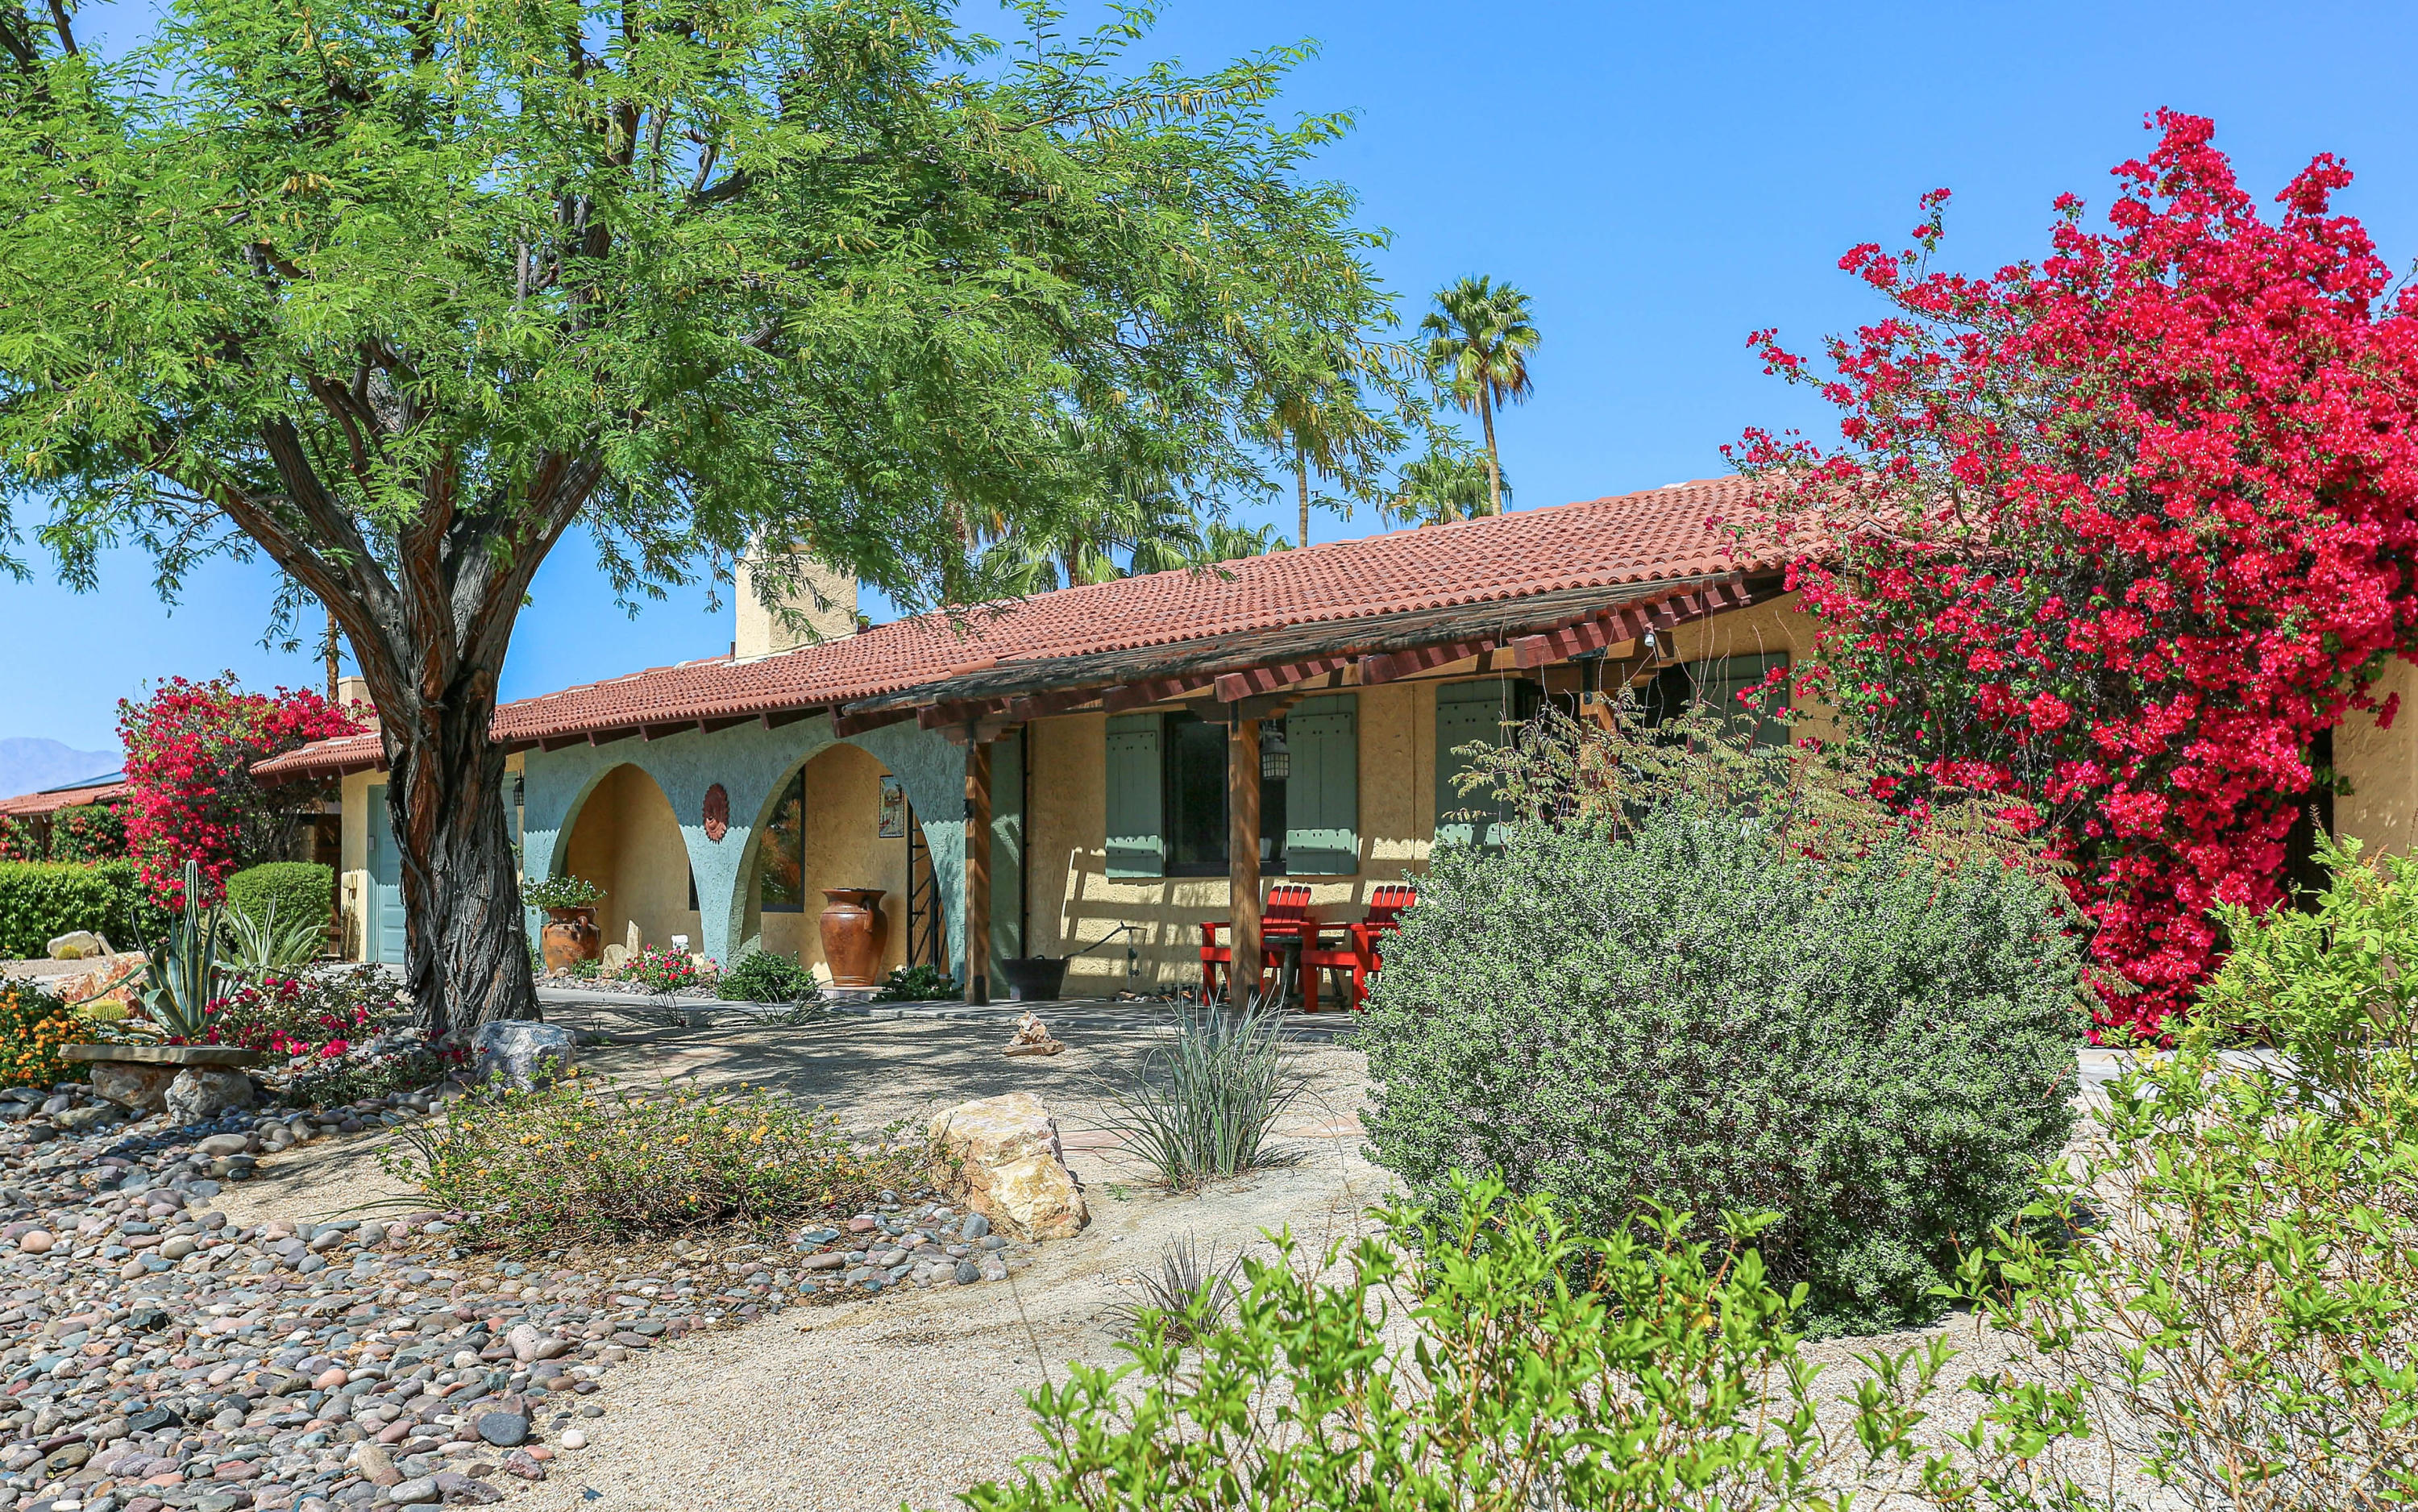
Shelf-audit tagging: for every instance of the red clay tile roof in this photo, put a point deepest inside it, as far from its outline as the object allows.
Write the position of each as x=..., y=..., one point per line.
x=1660, y=535
x=30, y=806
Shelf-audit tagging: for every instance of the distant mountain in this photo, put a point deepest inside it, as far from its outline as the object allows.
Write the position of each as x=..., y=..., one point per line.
x=29, y=765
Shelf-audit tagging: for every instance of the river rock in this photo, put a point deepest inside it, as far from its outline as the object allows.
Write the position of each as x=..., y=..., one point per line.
x=203, y=1093
x=522, y=1052
x=1002, y=1156
x=142, y=1088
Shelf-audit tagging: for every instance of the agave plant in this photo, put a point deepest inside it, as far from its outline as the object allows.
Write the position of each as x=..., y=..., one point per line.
x=258, y=947
x=182, y=969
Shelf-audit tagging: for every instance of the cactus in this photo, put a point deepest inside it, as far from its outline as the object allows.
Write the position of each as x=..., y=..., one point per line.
x=182, y=968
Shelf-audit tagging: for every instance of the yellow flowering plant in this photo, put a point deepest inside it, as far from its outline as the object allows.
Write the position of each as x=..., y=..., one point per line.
x=582, y=1161
x=33, y=1027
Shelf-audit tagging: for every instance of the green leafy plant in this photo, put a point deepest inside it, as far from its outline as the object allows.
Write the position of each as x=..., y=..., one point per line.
x=760, y=975
x=88, y=832
x=1465, y=1370
x=1721, y=984
x=40, y=900
x=2220, y=1285
x=919, y=984
x=33, y=1027
x=581, y=1161
x=560, y=893
x=258, y=946
x=1203, y=1105
x=299, y=892
x=182, y=971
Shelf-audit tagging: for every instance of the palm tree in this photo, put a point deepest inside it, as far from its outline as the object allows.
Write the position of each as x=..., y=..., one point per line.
x=1322, y=423
x=1450, y=483
x=1479, y=340
x=1224, y=542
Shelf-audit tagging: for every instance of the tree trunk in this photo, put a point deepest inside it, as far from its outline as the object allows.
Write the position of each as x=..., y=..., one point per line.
x=466, y=952
x=1494, y=467
x=1301, y=478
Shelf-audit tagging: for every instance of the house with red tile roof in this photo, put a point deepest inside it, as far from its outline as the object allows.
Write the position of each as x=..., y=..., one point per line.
x=1083, y=754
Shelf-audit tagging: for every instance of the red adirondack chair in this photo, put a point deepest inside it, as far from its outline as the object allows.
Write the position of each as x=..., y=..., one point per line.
x=1287, y=912
x=1359, y=953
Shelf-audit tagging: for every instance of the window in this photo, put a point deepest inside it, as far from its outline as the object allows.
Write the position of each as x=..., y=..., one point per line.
x=1469, y=714
x=1193, y=777
x=781, y=859
x=1167, y=793
x=1716, y=682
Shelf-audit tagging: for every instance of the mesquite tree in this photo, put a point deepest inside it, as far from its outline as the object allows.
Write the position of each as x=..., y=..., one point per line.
x=398, y=292
x=2122, y=534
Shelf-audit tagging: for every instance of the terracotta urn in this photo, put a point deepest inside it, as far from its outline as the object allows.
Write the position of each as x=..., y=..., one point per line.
x=855, y=934
x=570, y=935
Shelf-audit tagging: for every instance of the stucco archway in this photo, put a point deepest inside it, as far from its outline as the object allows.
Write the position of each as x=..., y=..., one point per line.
x=829, y=808
x=623, y=836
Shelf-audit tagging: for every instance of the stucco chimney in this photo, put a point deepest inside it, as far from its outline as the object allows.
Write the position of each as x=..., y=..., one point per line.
x=825, y=600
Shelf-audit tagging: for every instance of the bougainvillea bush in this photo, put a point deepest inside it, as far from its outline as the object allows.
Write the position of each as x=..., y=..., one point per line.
x=320, y=1017
x=2122, y=534
x=189, y=749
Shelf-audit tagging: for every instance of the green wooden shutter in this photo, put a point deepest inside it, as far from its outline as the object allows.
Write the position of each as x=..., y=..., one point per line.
x=1323, y=789
x=1137, y=835
x=1467, y=713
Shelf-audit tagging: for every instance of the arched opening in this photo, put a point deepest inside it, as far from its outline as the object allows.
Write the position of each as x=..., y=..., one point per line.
x=822, y=827
x=626, y=840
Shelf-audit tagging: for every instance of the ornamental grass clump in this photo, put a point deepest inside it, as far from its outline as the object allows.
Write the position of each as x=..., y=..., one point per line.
x=2222, y=1286
x=1464, y=1369
x=1204, y=1105
x=582, y=1161
x=1725, y=979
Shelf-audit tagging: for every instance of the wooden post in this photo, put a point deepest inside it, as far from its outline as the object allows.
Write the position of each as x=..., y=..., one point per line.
x=1243, y=856
x=977, y=874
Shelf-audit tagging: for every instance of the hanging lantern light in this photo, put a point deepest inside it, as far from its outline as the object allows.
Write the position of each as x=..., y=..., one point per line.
x=1275, y=763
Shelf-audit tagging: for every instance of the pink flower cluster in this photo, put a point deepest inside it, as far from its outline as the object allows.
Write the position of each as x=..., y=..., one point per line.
x=189, y=749
x=2122, y=534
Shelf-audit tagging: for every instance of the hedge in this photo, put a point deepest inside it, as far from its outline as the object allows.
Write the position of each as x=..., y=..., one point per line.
x=297, y=888
x=40, y=900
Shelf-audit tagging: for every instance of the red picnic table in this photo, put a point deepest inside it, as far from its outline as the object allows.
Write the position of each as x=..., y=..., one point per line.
x=1298, y=946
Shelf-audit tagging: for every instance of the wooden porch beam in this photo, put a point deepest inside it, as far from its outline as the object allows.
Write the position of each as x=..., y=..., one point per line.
x=1233, y=687
x=1242, y=858
x=1391, y=666
x=1157, y=690
x=846, y=723
x=977, y=873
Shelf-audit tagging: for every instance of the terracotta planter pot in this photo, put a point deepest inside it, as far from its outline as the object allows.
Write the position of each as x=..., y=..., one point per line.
x=854, y=936
x=570, y=935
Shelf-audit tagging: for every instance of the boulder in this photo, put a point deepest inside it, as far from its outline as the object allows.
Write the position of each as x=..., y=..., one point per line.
x=616, y=956
x=110, y=979
x=1000, y=1156
x=78, y=946
x=200, y=1093
x=142, y=1088
x=522, y=1052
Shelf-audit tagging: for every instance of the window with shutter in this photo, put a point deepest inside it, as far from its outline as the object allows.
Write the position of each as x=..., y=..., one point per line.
x=1468, y=713
x=1321, y=835
x=1136, y=837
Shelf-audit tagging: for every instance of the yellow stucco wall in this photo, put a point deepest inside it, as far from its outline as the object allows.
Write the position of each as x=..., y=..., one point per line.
x=843, y=849
x=1074, y=902
x=2381, y=766
x=627, y=840
x=356, y=792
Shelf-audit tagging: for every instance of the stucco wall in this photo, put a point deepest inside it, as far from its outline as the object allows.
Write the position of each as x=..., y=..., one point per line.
x=2381, y=766
x=843, y=849
x=752, y=764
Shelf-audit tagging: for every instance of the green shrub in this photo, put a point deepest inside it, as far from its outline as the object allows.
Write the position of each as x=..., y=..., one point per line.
x=580, y=1161
x=919, y=984
x=300, y=891
x=40, y=900
x=760, y=975
x=1880, y=1050
x=33, y=1027
x=2223, y=1284
x=661, y=969
x=88, y=831
x=1471, y=1375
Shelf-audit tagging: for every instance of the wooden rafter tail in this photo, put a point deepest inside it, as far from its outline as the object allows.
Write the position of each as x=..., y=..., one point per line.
x=773, y=719
x=1569, y=640
x=1155, y=690
x=959, y=712
x=846, y=723
x=1388, y=666
x=678, y=726
x=1056, y=701
x=1233, y=687
x=560, y=742
x=608, y=737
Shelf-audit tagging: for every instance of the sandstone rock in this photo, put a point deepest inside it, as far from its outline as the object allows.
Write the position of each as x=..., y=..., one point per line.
x=1033, y=1037
x=1001, y=1155
x=142, y=1088
x=616, y=956
x=202, y=1093
x=522, y=1052
x=77, y=945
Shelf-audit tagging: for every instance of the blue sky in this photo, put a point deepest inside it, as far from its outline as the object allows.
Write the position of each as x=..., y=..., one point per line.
x=1661, y=180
